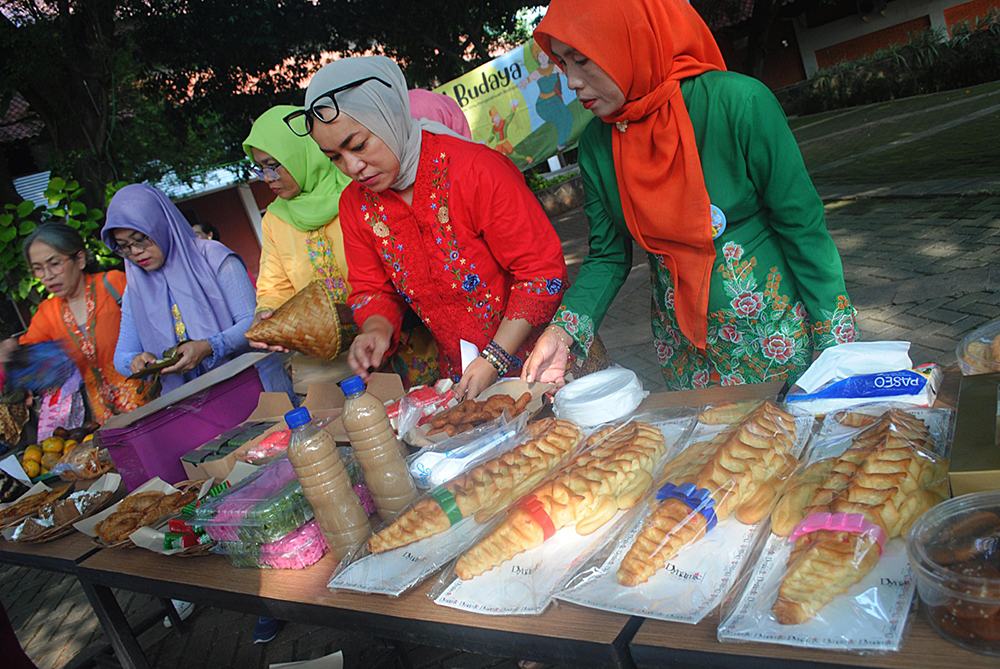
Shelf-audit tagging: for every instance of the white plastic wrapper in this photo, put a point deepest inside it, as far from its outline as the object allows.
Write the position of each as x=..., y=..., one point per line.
x=603, y=479
x=693, y=582
x=601, y=397
x=450, y=518
x=439, y=463
x=833, y=588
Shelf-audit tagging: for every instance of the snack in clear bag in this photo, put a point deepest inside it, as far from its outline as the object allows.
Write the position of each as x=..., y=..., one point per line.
x=518, y=566
x=740, y=472
x=84, y=462
x=834, y=573
x=445, y=521
x=261, y=508
x=438, y=463
x=301, y=548
x=611, y=474
x=678, y=565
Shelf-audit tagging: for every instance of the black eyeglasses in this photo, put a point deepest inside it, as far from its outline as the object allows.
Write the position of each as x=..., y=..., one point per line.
x=133, y=247
x=324, y=108
x=269, y=171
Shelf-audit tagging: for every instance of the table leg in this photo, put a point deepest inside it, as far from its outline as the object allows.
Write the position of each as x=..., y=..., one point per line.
x=175, y=618
x=116, y=626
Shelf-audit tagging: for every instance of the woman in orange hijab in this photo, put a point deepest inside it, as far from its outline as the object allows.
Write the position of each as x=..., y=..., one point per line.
x=698, y=166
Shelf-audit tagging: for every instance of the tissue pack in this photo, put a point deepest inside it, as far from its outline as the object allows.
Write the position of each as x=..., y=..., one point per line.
x=918, y=386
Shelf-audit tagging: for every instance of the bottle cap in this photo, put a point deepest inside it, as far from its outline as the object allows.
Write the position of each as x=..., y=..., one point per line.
x=297, y=417
x=352, y=384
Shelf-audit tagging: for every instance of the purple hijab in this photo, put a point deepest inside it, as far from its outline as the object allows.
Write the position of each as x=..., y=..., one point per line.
x=190, y=270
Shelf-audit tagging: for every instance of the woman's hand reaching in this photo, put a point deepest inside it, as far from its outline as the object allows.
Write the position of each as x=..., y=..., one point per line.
x=192, y=353
x=141, y=361
x=547, y=362
x=369, y=347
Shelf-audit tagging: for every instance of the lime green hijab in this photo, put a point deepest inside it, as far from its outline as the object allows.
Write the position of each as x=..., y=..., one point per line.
x=320, y=181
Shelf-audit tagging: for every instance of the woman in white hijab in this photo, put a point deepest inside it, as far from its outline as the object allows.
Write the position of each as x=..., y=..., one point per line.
x=434, y=222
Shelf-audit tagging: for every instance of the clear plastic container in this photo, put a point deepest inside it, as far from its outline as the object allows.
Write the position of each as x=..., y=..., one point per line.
x=955, y=552
x=300, y=549
x=262, y=508
x=979, y=351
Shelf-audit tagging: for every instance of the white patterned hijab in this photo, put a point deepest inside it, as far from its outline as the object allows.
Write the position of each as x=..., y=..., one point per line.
x=383, y=110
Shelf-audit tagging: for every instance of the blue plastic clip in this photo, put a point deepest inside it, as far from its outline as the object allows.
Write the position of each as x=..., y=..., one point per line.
x=699, y=499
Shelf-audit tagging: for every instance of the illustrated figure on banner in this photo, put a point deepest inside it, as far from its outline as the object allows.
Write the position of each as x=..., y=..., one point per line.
x=498, y=138
x=550, y=104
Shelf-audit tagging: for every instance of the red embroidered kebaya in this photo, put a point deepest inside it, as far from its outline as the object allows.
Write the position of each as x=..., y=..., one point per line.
x=474, y=247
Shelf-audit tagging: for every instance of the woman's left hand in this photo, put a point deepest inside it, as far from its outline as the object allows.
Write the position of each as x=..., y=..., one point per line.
x=192, y=354
x=478, y=376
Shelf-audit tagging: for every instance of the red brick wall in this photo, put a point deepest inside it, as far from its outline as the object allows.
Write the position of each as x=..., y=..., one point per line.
x=262, y=194
x=969, y=11
x=225, y=211
x=867, y=44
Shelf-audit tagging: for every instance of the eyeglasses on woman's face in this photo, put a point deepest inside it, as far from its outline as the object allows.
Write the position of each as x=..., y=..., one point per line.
x=324, y=108
x=267, y=172
x=136, y=245
x=52, y=266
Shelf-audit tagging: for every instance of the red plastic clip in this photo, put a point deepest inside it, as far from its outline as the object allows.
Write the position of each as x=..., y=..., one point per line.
x=533, y=506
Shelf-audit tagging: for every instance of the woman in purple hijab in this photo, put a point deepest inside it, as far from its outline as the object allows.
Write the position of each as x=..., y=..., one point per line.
x=182, y=291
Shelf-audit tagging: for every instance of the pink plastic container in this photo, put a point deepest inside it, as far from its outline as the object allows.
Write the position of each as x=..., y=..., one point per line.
x=153, y=445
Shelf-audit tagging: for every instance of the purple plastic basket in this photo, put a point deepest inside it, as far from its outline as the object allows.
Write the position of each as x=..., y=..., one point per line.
x=153, y=445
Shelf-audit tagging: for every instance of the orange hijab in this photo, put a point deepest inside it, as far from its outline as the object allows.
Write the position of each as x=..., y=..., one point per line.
x=647, y=47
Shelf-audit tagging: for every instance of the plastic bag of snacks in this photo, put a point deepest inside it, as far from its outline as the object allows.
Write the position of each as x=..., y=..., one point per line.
x=445, y=521
x=681, y=550
x=517, y=567
x=84, y=462
x=834, y=572
x=261, y=508
x=299, y=549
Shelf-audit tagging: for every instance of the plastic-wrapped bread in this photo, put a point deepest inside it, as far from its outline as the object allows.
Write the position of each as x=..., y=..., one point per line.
x=485, y=489
x=889, y=476
x=612, y=473
x=740, y=471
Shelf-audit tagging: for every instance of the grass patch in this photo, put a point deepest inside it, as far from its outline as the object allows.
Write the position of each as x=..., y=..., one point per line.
x=818, y=125
x=968, y=150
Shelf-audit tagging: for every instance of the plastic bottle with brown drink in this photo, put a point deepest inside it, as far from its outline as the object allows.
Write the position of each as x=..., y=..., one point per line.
x=326, y=484
x=379, y=451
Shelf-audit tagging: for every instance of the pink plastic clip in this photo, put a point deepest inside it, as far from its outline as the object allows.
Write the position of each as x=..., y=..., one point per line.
x=840, y=522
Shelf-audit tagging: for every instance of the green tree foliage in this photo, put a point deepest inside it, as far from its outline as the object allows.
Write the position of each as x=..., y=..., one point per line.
x=131, y=89
x=17, y=221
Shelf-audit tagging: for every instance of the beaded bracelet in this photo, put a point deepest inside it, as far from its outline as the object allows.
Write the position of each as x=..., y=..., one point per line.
x=501, y=360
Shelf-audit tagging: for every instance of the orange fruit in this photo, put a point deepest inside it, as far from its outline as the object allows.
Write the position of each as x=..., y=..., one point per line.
x=31, y=468
x=53, y=445
x=69, y=446
x=33, y=452
x=49, y=460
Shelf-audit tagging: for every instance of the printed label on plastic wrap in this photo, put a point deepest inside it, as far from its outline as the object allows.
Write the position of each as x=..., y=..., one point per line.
x=696, y=580
x=524, y=585
x=871, y=614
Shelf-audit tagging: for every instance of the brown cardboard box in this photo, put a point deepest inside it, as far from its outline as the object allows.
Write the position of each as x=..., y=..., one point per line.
x=325, y=402
x=975, y=453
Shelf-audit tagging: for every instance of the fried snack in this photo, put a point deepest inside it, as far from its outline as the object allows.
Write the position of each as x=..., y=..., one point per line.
x=744, y=468
x=854, y=418
x=468, y=414
x=118, y=526
x=29, y=505
x=889, y=476
x=139, y=510
x=486, y=488
x=726, y=414
x=140, y=501
x=612, y=473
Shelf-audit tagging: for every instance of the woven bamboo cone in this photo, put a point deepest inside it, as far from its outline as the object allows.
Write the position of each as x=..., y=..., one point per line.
x=307, y=323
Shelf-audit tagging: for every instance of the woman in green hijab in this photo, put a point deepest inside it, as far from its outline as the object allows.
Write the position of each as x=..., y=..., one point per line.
x=301, y=239
x=300, y=233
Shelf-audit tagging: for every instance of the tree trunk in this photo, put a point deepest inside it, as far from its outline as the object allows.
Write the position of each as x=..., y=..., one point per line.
x=759, y=29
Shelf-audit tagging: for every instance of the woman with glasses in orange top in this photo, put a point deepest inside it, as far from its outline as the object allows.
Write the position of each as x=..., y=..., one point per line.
x=83, y=313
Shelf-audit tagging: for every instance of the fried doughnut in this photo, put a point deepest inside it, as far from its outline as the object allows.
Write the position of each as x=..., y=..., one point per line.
x=140, y=501
x=522, y=403
x=118, y=526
